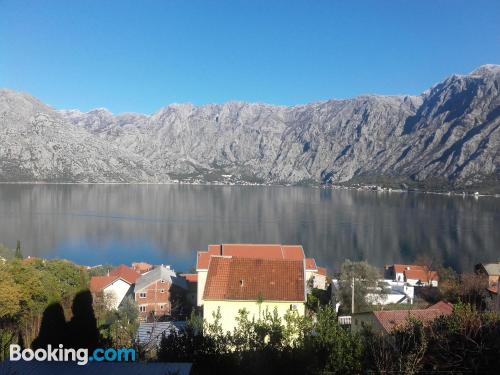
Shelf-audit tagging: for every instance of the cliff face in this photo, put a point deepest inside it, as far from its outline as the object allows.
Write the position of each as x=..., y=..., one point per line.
x=447, y=137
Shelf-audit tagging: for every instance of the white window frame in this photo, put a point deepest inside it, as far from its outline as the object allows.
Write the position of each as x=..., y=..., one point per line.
x=143, y=308
x=142, y=295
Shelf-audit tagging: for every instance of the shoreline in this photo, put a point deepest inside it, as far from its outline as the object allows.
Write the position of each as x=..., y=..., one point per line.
x=357, y=187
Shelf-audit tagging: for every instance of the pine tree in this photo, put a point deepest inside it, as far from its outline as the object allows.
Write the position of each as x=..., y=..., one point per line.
x=19, y=254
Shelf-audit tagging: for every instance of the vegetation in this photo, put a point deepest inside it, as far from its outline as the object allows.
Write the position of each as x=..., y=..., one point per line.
x=366, y=280
x=47, y=301
x=27, y=288
x=268, y=345
x=120, y=326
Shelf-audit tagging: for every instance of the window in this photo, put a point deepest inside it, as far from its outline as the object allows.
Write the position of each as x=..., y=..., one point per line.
x=142, y=295
x=161, y=307
x=162, y=281
x=162, y=290
x=142, y=308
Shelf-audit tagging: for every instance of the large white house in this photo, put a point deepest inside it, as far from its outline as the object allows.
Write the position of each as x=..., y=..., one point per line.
x=255, y=285
x=314, y=274
x=115, y=285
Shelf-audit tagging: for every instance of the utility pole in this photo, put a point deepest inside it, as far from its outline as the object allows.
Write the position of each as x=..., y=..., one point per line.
x=352, y=296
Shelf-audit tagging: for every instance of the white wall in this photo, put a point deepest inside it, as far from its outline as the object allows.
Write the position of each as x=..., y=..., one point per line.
x=115, y=292
x=229, y=310
x=202, y=279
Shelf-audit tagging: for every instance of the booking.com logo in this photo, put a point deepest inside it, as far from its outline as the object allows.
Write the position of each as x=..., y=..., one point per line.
x=80, y=356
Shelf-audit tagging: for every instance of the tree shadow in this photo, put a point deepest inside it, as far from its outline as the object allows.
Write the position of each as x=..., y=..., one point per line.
x=80, y=332
x=52, y=328
x=82, y=329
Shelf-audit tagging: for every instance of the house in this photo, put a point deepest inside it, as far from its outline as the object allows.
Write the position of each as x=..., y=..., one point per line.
x=142, y=267
x=386, y=321
x=415, y=275
x=255, y=251
x=490, y=270
x=256, y=285
x=396, y=293
x=192, y=287
x=159, y=292
x=315, y=276
x=115, y=285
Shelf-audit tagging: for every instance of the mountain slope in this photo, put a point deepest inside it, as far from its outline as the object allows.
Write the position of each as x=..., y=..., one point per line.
x=448, y=137
x=38, y=145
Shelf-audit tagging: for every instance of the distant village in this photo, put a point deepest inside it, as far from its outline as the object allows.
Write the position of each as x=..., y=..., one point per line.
x=267, y=277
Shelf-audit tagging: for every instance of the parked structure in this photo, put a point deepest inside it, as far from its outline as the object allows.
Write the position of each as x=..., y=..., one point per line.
x=386, y=321
x=256, y=285
x=115, y=285
x=159, y=292
x=415, y=275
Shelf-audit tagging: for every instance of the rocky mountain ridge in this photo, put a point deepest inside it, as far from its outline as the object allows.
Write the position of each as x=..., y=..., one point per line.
x=446, y=138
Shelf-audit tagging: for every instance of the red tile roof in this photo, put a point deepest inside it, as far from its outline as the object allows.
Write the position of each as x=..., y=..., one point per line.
x=421, y=274
x=202, y=260
x=142, y=267
x=295, y=252
x=98, y=283
x=322, y=271
x=397, y=318
x=254, y=251
x=416, y=272
x=233, y=278
x=400, y=268
x=126, y=273
x=190, y=277
x=442, y=306
x=214, y=249
x=311, y=264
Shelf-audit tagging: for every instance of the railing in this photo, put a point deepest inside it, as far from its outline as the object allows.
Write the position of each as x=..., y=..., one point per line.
x=345, y=320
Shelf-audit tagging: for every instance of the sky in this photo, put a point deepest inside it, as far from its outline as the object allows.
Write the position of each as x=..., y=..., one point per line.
x=138, y=56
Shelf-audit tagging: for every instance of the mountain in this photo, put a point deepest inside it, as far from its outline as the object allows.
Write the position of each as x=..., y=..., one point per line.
x=446, y=138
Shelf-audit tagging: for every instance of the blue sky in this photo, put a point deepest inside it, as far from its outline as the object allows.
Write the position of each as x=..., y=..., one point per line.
x=141, y=55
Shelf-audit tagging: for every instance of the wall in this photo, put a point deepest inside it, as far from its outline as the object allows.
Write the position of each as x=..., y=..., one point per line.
x=229, y=310
x=202, y=279
x=115, y=292
x=358, y=321
x=154, y=299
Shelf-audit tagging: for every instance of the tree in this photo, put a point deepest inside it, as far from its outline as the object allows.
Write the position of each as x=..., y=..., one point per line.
x=18, y=253
x=366, y=280
x=465, y=342
x=401, y=351
x=337, y=351
x=122, y=325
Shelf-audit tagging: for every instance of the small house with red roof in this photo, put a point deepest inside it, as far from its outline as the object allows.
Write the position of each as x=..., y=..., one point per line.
x=386, y=321
x=414, y=275
x=115, y=285
x=255, y=285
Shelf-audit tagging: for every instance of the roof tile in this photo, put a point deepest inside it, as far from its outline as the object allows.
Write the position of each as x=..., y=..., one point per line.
x=233, y=278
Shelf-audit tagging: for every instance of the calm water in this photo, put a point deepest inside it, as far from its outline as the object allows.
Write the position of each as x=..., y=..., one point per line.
x=93, y=224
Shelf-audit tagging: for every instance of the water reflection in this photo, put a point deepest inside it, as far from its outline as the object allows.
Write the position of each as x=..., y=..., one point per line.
x=167, y=223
